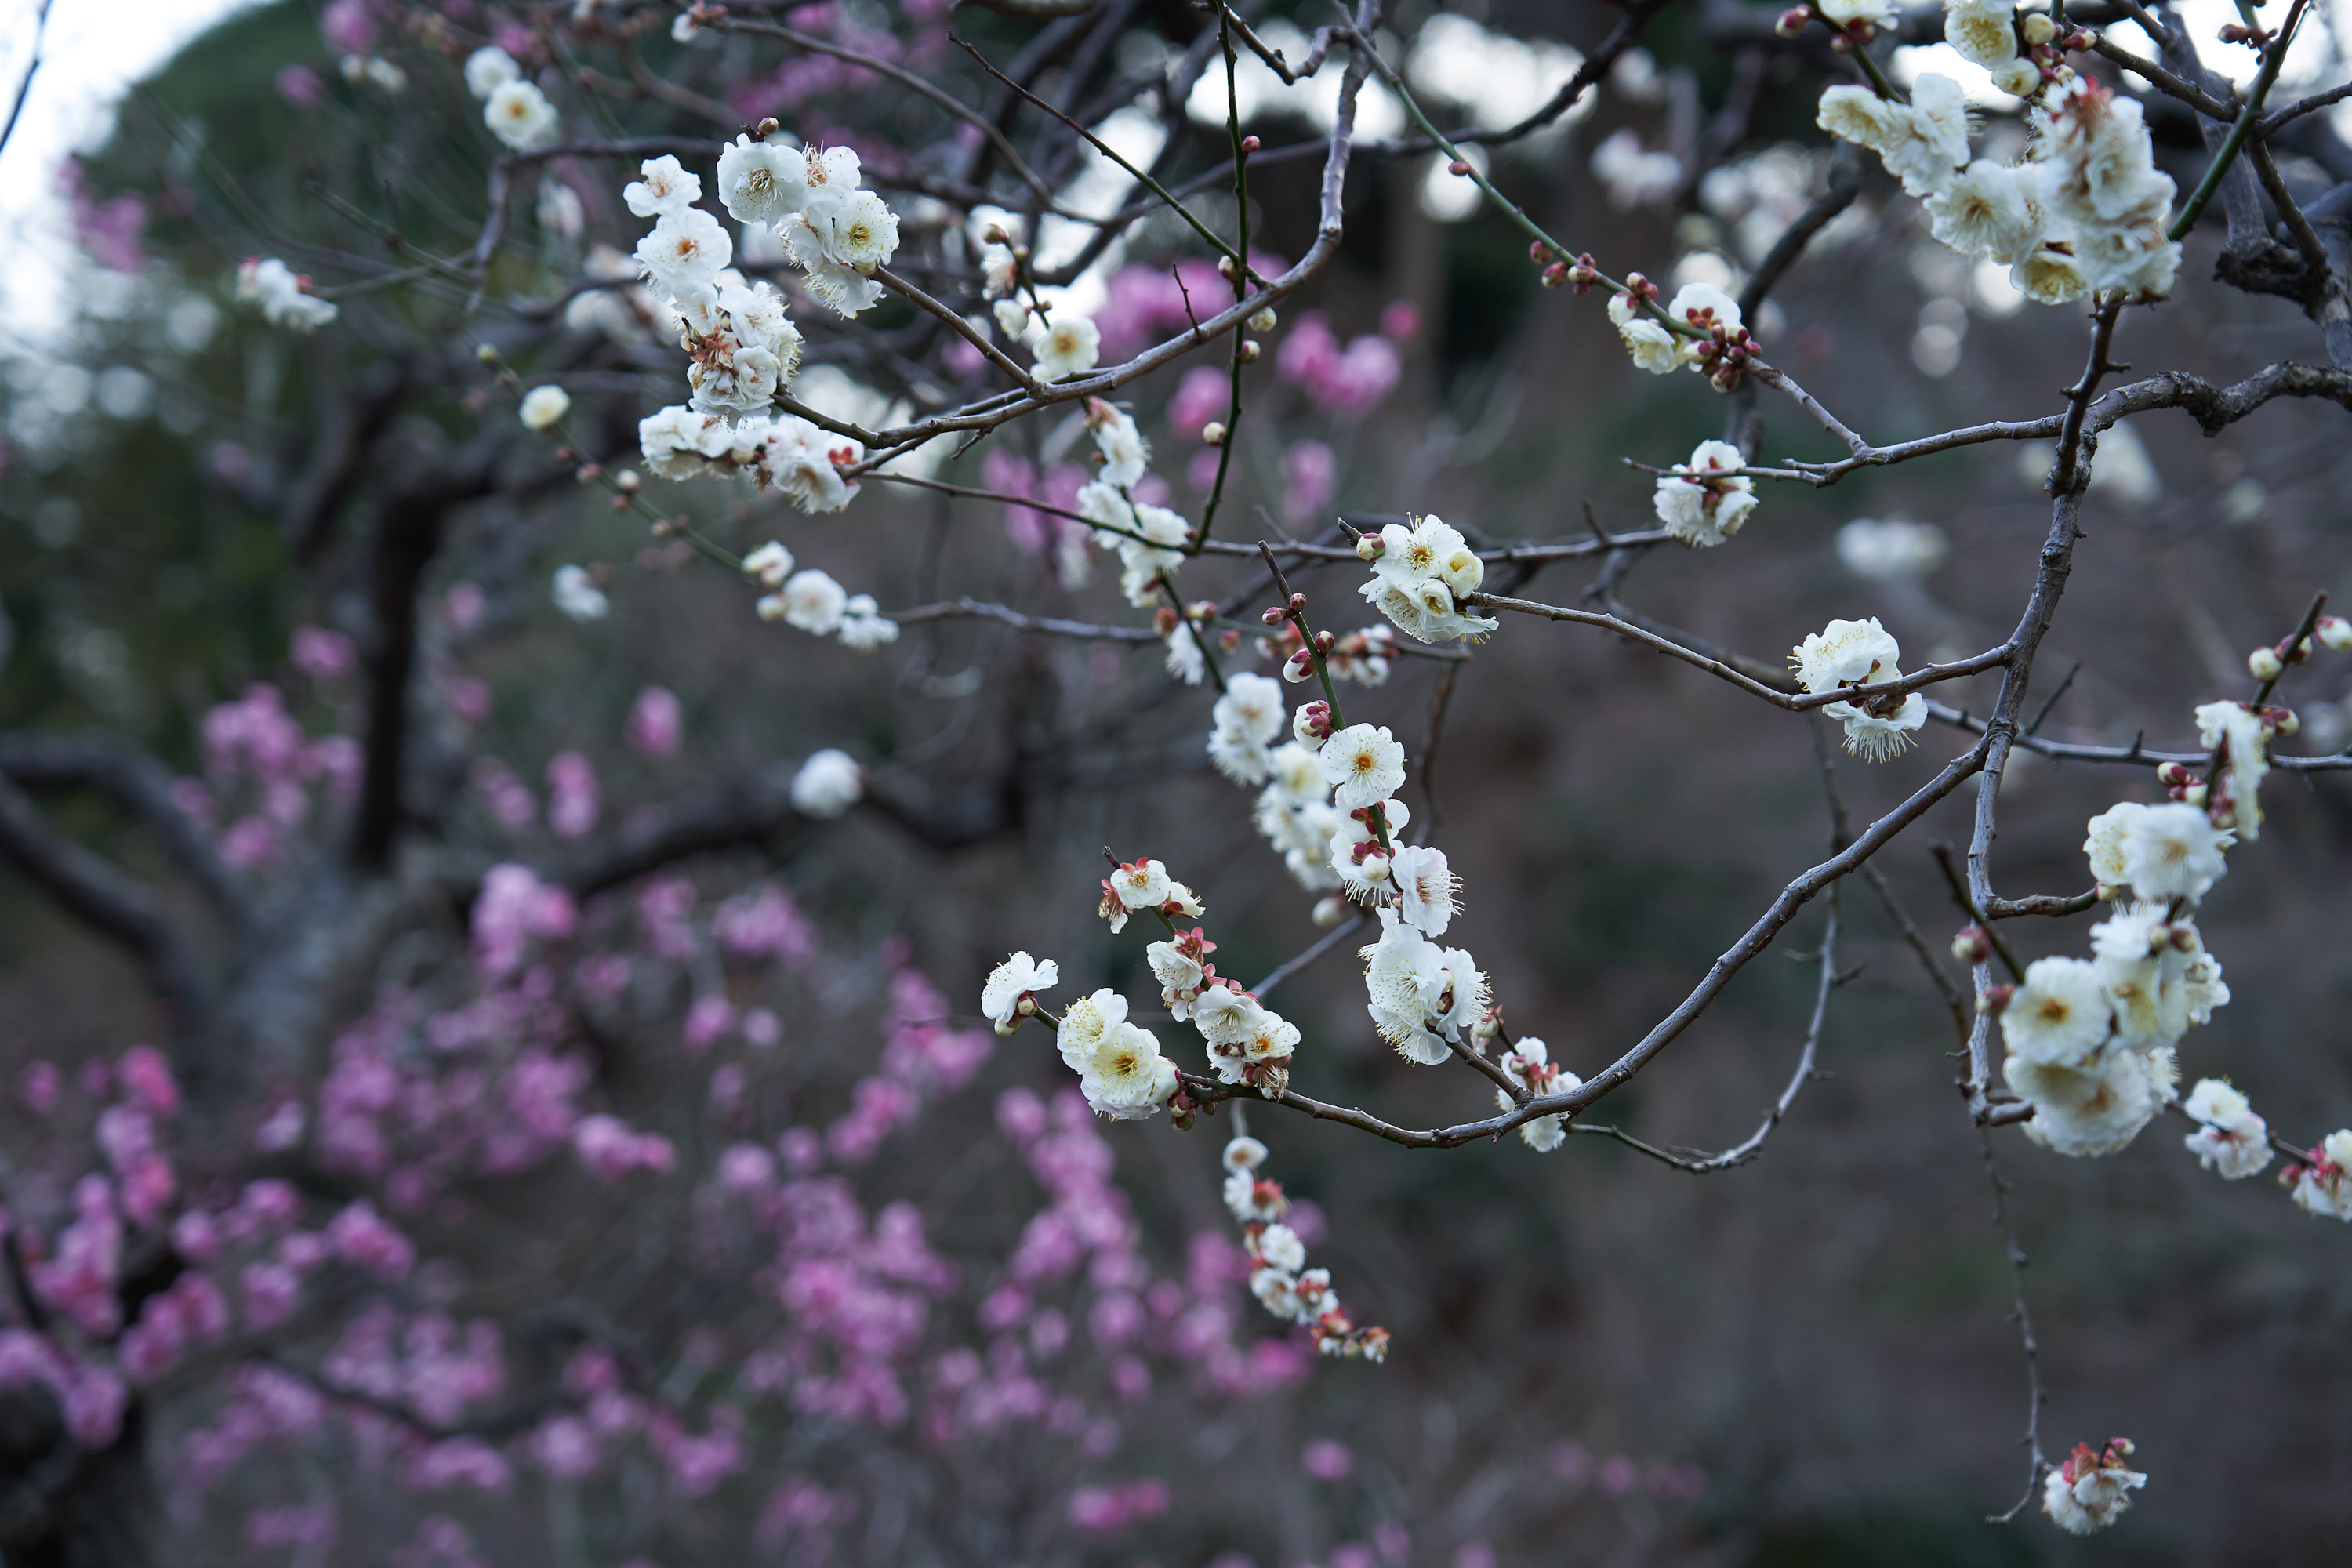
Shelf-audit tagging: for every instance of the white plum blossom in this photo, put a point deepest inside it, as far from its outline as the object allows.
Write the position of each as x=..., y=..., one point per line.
x=577, y=596
x=863, y=626
x=1988, y=210
x=1705, y=500
x=2095, y=1108
x=2060, y=1016
x=1529, y=1065
x=518, y=114
x=1150, y=538
x=489, y=69
x=1142, y=884
x=1923, y=144
x=828, y=783
x=2246, y=735
x=2170, y=851
x=1845, y=653
x=686, y=251
x=1012, y=983
x=2091, y=1490
x=2100, y=184
x=1245, y=723
x=543, y=406
x=2323, y=1188
x=1982, y=31
x=1889, y=550
x=1085, y=1023
x=283, y=295
x=1363, y=764
x=1126, y=454
x=1404, y=975
x=813, y=601
x=1244, y=1153
x=1180, y=968
x=1125, y=1078
x=1426, y=888
x=1419, y=578
x=1655, y=347
x=2229, y=1140
x=663, y=186
x=806, y=462
x=839, y=243
x=761, y=181
x=1067, y=345
x=1857, y=114
x=1846, y=13
x=771, y=563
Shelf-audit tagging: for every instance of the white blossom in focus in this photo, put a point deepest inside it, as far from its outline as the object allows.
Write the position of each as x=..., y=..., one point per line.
x=1363, y=764
x=1654, y=347
x=2059, y=1017
x=518, y=114
x=1988, y=210
x=686, y=251
x=1017, y=977
x=806, y=462
x=827, y=785
x=1419, y=577
x=1528, y=1064
x=2229, y=1140
x=1084, y=1022
x=1404, y=976
x=1067, y=345
x=760, y=182
x=663, y=186
x=1845, y=653
x=577, y=596
x=1426, y=888
x=1126, y=1078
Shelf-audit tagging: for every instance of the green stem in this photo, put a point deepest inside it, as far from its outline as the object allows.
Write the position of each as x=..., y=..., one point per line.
x=1241, y=284
x=2239, y=129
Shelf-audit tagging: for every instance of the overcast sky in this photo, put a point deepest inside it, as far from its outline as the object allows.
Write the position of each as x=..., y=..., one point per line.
x=91, y=52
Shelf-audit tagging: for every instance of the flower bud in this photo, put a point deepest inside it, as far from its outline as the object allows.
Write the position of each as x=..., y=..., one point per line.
x=1329, y=911
x=1371, y=547
x=1539, y=252
x=2284, y=723
x=1229, y=639
x=620, y=503
x=1324, y=642
x=1841, y=43
x=1298, y=606
x=1164, y=621
x=1213, y=433
x=626, y=481
x=1250, y=144
x=1376, y=867
x=588, y=473
x=1275, y=615
x=1972, y=946
x=2079, y=41
x=2038, y=28
x=1228, y=269
x=2334, y=633
x=2196, y=794
x=1299, y=666
x=1992, y=1000
x=1458, y=167
x=1262, y=321
x=1249, y=350
x=1794, y=21
x=487, y=353
x=1008, y=1027
x=1556, y=275
x=2172, y=775
x=2183, y=937
x=2263, y=664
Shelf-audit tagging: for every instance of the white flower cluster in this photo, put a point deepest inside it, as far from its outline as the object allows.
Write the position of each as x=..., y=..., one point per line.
x=517, y=113
x=1150, y=539
x=1135, y=886
x=1420, y=575
x=2229, y=1140
x=1860, y=653
x=2091, y=1490
x=2242, y=732
x=2323, y=1186
x=1247, y=1041
x=1712, y=315
x=1705, y=500
x=1531, y=1068
x=2091, y=1042
x=282, y=294
x=1119, y=1064
x=801, y=460
x=1279, y=1276
x=2085, y=212
x=835, y=232
x=814, y=602
x=1244, y=725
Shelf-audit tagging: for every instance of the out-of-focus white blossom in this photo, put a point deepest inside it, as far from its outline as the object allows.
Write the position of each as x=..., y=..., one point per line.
x=1244, y=725
x=2229, y=1140
x=2168, y=851
x=2323, y=1187
x=1982, y=31
x=1885, y=550
x=1654, y=347
x=2060, y=1016
x=1529, y=1065
x=518, y=114
x=2246, y=735
x=543, y=406
x=283, y=295
x=577, y=596
x=1703, y=502
x=2091, y=1490
x=489, y=69
x=1126, y=454
x=828, y=783
x=863, y=626
x=2095, y=1108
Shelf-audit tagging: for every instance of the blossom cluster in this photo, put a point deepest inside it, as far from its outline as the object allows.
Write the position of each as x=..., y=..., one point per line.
x=1279, y=1276
x=2085, y=213
x=814, y=602
x=1860, y=653
x=1421, y=577
x=2092, y=1489
x=283, y=295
